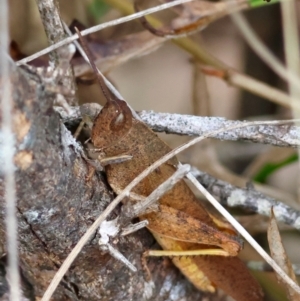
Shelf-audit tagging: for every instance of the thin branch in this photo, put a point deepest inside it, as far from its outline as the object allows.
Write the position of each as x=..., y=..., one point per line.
x=100, y=27
x=274, y=134
x=83, y=240
x=55, y=32
x=245, y=234
x=8, y=150
x=249, y=199
x=52, y=25
x=202, y=17
x=285, y=135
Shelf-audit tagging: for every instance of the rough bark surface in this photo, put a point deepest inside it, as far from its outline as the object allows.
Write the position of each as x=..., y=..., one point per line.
x=56, y=205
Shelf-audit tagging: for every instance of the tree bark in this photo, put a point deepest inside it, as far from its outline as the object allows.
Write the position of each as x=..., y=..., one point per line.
x=56, y=205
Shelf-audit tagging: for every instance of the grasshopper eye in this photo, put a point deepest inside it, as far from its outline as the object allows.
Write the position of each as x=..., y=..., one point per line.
x=119, y=119
x=118, y=122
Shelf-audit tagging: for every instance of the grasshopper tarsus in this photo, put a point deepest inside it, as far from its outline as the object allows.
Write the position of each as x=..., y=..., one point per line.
x=90, y=173
x=147, y=273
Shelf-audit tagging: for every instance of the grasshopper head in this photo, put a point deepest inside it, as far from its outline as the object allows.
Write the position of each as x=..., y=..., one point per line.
x=112, y=123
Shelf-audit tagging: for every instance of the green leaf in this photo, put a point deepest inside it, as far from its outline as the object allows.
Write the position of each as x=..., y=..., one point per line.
x=98, y=8
x=270, y=168
x=258, y=3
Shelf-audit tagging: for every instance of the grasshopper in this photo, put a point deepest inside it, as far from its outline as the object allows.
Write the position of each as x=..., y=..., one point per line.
x=181, y=225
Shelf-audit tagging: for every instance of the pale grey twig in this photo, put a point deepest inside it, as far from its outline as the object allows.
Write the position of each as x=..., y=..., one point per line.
x=285, y=135
x=263, y=266
x=249, y=199
x=7, y=142
x=102, y=26
x=52, y=25
x=274, y=134
x=55, y=32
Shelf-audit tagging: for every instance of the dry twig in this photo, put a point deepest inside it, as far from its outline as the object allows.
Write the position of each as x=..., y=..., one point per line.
x=55, y=33
x=273, y=133
x=248, y=199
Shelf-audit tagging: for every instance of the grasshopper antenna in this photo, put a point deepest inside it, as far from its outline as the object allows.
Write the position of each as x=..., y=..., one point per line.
x=107, y=88
x=89, y=55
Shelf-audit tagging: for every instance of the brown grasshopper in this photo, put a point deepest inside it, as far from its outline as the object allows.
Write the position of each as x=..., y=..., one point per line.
x=181, y=225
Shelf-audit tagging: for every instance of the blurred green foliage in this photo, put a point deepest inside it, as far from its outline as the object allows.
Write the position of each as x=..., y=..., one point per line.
x=270, y=168
x=257, y=3
x=98, y=8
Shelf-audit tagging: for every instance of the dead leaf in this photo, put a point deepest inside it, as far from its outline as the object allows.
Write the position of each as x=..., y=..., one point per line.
x=279, y=255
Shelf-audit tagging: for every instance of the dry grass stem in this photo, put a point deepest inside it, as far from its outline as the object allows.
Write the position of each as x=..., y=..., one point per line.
x=262, y=51
x=259, y=88
x=291, y=49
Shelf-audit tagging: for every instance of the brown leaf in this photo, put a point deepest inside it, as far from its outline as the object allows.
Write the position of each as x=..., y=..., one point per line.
x=279, y=255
